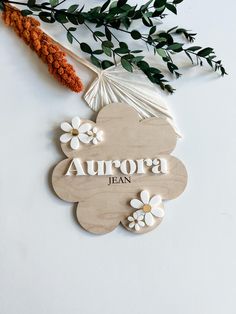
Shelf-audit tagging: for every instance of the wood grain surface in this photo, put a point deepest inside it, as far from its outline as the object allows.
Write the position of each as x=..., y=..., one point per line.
x=101, y=206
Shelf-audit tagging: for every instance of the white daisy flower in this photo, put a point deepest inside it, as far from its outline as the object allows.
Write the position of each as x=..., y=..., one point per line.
x=75, y=132
x=148, y=207
x=136, y=221
x=96, y=135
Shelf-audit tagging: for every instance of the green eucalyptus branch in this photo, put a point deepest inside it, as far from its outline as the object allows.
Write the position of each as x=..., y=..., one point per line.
x=118, y=16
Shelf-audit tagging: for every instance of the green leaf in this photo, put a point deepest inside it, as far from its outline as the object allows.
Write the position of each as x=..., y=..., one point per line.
x=145, y=6
x=159, y=3
x=108, y=33
x=205, y=52
x=31, y=3
x=69, y=37
x=26, y=12
x=73, y=19
x=107, y=64
x=106, y=47
x=223, y=71
x=143, y=65
x=152, y=30
x=126, y=65
x=107, y=51
x=176, y=47
x=80, y=18
x=137, y=59
x=123, y=45
x=46, y=17
x=128, y=57
x=172, y=67
x=113, y=5
x=171, y=8
x=99, y=34
x=105, y=5
x=161, y=52
x=136, y=35
x=95, y=61
x=154, y=70
x=177, y=1
x=137, y=51
x=146, y=20
x=194, y=48
x=172, y=29
x=181, y=30
x=54, y=2
x=98, y=52
x=107, y=43
x=158, y=11
x=189, y=56
x=72, y=8
x=85, y=48
x=165, y=37
x=61, y=17
x=120, y=3
x=169, y=88
x=121, y=50
x=115, y=23
x=209, y=62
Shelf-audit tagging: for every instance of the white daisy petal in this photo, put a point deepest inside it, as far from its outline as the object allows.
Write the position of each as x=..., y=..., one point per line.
x=149, y=220
x=140, y=217
x=84, y=138
x=99, y=135
x=132, y=224
x=76, y=122
x=74, y=143
x=66, y=137
x=141, y=223
x=145, y=197
x=158, y=212
x=137, y=227
x=90, y=132
x=85, y=127
x=65, y=126
x=155, y=200
x=130, y=218
x=140, y=212
x=135, y=215
x=136, y=203
x=95, y=129
x=95, y=141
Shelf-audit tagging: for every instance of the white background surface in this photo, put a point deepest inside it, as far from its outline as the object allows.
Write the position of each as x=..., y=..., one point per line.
x=48, y=264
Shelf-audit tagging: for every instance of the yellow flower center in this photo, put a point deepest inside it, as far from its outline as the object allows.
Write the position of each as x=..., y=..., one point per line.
x=74, y=132
x=147, y=208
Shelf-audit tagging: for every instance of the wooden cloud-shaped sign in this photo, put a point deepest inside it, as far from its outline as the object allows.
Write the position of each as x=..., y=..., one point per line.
x=119, y=170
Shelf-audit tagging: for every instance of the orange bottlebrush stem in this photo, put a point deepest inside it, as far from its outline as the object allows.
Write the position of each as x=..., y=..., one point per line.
x=28, y=29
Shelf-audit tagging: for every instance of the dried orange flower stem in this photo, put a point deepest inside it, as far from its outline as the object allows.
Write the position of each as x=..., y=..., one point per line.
x=28, y=29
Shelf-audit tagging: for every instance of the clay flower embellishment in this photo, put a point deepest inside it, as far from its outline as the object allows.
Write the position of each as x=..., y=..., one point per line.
x=76, y=132
x=149, y=208
x=96, y=135
x=136, y=221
